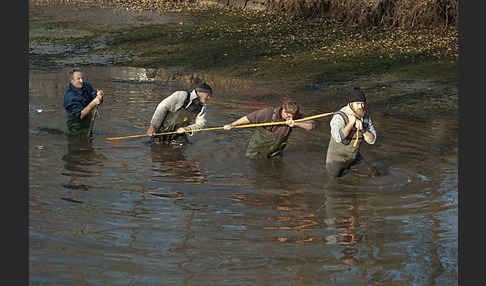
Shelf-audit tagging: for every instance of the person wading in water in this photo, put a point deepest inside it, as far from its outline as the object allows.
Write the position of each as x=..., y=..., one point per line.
x=181, y=111
x=350, y=121
x=80, y=100
x=269, y=141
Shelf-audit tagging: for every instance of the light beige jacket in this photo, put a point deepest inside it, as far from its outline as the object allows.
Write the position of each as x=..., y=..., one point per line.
x=172, y=103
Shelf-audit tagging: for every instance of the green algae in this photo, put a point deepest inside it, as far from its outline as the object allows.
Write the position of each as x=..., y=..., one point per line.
x=260, y=46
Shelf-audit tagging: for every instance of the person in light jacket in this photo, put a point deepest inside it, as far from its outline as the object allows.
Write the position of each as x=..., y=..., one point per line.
x=182, y=111
x=349, y=122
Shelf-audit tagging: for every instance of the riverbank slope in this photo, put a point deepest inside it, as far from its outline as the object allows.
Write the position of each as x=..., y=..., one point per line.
x=409, y=72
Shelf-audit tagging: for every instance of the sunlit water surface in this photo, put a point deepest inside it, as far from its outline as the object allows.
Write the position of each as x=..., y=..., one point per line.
x=126, y=213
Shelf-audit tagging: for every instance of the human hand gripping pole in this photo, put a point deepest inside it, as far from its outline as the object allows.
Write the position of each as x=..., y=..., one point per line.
x=219, y=128
x=359, y=127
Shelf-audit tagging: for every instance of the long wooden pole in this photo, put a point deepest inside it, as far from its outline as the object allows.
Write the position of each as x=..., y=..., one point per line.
x=218, y=128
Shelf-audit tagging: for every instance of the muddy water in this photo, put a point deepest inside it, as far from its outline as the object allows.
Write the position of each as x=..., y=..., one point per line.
x=126, y=213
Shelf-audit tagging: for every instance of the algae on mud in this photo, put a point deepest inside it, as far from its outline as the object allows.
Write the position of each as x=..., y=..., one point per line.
x=313, y=54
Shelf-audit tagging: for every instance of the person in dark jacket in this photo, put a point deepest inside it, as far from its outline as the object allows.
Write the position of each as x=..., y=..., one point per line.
x=269, y=141
x=352, y=122
x=79, y=101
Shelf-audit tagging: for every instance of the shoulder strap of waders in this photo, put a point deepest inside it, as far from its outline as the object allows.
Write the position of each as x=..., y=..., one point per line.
x=196, y=105
x=186, y=101
x=275, y=114
x=274, y=118
x=343, y=115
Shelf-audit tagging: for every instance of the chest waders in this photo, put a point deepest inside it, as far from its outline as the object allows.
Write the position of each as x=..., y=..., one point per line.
x=265, y=144
x=344, y=154
x=78, y=127
x=181, y=118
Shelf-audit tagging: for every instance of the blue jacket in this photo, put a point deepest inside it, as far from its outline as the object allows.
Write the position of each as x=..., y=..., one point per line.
x=77, y=99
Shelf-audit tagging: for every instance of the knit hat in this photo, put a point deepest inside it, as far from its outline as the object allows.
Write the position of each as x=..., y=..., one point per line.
x=204, y=88
x=356, y=95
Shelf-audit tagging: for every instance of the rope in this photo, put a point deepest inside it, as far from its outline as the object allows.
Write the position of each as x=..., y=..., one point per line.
x=218, y=128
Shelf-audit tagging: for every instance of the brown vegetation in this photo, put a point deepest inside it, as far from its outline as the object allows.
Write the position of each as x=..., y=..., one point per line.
x=387, y=13
x=384, y=13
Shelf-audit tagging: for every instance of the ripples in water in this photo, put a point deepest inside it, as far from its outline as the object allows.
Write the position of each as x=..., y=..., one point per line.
x=127, y=212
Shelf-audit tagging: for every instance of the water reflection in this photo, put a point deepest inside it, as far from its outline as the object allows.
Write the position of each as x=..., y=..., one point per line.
x=273, y=173
x=78, y=160
x=204, y=212
x=319, y=217
x=173, y=165
x=343, y=211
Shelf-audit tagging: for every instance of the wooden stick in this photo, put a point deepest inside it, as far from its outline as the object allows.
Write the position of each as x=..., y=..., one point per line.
x=93, y=118
x=217, y=128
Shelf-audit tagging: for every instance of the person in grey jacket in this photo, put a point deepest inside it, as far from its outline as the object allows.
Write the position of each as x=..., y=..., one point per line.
x=182, y=111
x=351, y=122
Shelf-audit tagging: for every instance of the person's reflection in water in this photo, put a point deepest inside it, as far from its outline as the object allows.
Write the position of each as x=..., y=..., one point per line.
x=340, y=211
x=292, y=220
x=174, y=163
x=79, y=157
x=273, y=174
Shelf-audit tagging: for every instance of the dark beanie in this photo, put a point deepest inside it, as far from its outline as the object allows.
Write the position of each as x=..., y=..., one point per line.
x=204, y=88
x=356, y=95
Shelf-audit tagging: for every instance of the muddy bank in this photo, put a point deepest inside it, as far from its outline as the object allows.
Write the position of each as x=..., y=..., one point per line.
x=413, y=73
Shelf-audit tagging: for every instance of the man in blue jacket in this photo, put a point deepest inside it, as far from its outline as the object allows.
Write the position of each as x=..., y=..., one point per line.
x=79, y=100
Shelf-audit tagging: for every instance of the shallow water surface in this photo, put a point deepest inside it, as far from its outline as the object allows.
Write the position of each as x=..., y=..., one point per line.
x=128, y=213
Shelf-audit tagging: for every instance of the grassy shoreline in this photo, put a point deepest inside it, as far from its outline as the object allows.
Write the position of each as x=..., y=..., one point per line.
x=259, y=45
